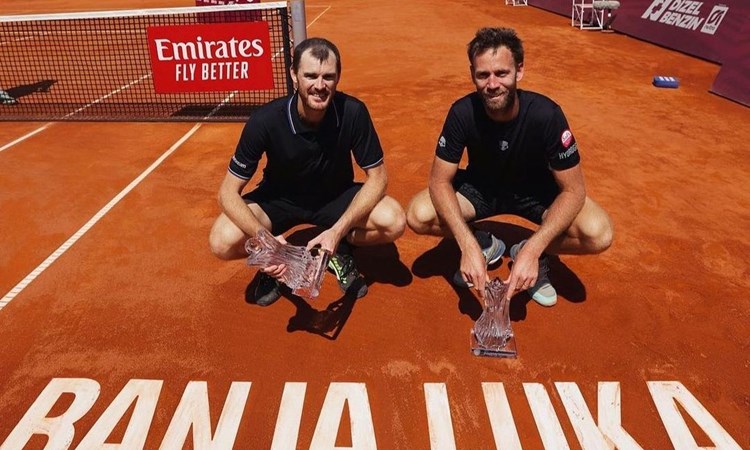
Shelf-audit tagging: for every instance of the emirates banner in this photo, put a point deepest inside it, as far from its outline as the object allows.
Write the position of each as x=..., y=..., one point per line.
x=211, y=57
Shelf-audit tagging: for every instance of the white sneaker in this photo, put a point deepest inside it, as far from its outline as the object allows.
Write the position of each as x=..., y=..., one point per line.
x=542, y=291
x=6, y=98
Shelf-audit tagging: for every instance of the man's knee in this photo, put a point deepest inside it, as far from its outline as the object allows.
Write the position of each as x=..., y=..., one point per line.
x=224, y=244
x=392, y=219
x=599, y=234
x=420, y=216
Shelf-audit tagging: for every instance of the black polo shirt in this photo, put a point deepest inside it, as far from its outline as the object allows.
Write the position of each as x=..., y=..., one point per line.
x=303, y=161
x=516, y=156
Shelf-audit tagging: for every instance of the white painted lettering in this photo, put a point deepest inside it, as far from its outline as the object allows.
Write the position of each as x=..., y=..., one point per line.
x=439, y=417
x=545, y=417
x=674, y=403
x=588, y=433
x=59, y=430
x=610, y=421
x=362, y=428
x=666, y=395
x=146, y=394
x=290, y=416
x=193, y=412
x=501, y=419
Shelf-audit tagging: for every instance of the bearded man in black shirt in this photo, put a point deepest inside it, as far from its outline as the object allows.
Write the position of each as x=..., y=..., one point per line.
x=522, y=160
x=309, y=139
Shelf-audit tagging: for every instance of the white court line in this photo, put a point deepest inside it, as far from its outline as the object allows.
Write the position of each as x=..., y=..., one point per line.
x=318, y=16
x=17, y=40
x=25, y=136
x=48, y=124
x=88, y=225
x=116, y=91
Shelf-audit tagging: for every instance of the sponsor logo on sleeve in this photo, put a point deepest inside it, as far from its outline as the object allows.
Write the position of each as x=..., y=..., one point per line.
x=441, y=142
x=237, y=161
x=211, y=57
x=567, y=153
x=566, y=138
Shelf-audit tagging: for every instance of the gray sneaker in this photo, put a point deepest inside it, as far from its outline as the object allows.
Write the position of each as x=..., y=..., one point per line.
x=493, y=252
x=542, y=291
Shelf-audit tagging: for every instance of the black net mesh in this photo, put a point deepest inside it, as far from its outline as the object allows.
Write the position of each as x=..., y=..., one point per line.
x=98, y=68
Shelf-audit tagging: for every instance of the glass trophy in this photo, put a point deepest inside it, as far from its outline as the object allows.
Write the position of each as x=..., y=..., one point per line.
x=304, y=269
x=492, y=334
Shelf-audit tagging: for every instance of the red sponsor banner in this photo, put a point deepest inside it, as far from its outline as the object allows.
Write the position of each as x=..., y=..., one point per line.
x=211, y=57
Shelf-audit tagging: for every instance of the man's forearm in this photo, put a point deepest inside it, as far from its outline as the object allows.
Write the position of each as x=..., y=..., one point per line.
x=238, y=212
x=560, y=215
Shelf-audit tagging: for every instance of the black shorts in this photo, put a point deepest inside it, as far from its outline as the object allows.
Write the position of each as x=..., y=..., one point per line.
x=287, y=211
x=488, y=202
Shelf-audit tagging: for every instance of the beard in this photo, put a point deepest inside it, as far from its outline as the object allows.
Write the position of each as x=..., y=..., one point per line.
x=316, y=103
x=500, y=105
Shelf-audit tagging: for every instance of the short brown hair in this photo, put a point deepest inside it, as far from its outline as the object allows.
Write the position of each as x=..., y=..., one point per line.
x=319, y=48
x=491, y=38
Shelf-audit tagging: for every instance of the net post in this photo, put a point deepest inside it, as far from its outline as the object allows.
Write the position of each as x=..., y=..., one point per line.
x=299, y=23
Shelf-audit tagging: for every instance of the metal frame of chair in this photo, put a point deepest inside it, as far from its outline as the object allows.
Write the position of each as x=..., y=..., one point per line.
x=584, y=16
x=592, y=14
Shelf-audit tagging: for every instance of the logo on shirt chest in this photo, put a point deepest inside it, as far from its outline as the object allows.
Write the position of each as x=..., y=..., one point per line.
x=504, y=146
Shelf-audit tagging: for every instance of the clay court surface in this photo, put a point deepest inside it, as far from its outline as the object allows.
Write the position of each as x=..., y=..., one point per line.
x=138, y=296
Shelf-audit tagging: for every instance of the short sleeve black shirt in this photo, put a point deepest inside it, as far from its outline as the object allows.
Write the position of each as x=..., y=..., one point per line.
x=302, y=160
x=516, y=156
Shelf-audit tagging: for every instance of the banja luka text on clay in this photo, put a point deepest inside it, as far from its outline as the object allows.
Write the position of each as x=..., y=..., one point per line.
x=191, y=420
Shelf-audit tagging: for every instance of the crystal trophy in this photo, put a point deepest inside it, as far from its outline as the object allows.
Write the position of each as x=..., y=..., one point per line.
x=304, y=269
x=492, y=334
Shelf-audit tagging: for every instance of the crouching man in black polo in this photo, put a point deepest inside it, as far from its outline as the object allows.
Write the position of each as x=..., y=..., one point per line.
x=309, y=139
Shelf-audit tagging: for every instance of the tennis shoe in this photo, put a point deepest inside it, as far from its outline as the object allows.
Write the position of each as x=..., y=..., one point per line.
x=7, y=99
x=542, y=291
x=492, y=249
x=347, y=275
x=267, y=291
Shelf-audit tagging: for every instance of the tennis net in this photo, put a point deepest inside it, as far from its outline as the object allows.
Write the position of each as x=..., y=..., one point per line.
x=214, y=63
